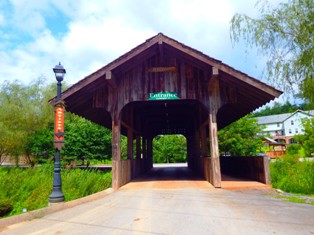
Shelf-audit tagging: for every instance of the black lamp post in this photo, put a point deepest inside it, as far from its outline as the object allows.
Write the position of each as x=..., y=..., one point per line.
x=57, y=195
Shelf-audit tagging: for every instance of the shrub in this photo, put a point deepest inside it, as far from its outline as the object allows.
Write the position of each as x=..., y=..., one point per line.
x=291, y=175
x=30, y=188
x=293, y=149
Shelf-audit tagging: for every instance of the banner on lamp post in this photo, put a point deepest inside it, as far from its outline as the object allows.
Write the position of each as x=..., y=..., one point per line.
x=59, y=126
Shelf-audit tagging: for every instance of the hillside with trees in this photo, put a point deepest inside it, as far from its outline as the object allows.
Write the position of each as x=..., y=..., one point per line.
x=278, y=108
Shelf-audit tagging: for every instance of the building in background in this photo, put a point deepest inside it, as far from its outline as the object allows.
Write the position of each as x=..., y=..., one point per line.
x=283, y=127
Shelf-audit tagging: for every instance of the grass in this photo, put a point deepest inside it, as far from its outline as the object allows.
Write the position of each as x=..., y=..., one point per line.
x=291, y=175
x=293, y=199
x=30, y=188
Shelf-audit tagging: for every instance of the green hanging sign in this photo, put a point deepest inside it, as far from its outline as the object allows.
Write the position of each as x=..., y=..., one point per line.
x=163, y=96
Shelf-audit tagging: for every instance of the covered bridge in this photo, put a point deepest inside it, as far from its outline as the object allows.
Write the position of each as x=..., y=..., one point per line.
x=165, y=87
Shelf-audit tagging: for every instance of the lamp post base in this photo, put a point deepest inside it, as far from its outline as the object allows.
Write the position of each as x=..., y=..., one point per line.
x=56, y=196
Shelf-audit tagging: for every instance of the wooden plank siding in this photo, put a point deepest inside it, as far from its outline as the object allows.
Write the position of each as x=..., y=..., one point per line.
x=135, y=85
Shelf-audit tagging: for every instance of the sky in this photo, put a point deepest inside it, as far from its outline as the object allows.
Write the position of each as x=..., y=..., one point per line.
x=86, y=35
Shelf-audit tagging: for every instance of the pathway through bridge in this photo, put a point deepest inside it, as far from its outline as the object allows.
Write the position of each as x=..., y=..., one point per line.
x=160, y=206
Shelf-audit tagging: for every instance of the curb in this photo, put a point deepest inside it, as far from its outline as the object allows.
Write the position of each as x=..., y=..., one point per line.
x=51, y=209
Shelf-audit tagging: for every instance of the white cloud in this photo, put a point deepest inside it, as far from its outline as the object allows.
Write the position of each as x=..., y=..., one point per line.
x=100, y=31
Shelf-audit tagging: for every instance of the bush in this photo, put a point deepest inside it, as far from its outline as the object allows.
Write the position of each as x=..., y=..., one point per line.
x=30, y=188
x=293, y=149
x=291, y=175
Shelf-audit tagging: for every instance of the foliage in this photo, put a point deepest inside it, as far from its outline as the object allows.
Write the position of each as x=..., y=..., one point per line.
x=24, y=110
x=291, y=175
x=40, y=144
x=281, y=108
x=30, y=188
x=284, y=35
x=85, y=140
x=80, y=183
x=240, y=138
x=293, y=149
x=169, y=149
x=26, y=124
x=307, y=139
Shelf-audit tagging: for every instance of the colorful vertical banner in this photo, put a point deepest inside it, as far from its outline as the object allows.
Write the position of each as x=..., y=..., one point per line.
x=59, y=126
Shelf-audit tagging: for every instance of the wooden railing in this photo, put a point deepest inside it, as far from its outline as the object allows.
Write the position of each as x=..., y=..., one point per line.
x=254, y=168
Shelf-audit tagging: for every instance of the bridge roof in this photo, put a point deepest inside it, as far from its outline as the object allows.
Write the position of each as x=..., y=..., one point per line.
x=251, y=92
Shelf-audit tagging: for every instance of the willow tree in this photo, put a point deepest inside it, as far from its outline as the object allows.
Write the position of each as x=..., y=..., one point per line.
x=24, y=110
x=285, y=36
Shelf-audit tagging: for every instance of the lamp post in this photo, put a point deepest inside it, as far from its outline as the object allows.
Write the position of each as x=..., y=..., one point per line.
x=57, y=195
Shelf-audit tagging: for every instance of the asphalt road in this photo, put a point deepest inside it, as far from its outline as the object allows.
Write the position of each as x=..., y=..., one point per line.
x=143, y=207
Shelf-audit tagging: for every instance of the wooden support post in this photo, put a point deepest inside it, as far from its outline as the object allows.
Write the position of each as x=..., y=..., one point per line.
x=116, y=154
x=192, y=151
x=214, y=152
x=188, y=152
x=266, y=170
x=197, y=152
x=149, y=153
x=203, y=141
x=130, y=144
x=144, y=148
x=214, y=105
x=130, y=154
x=138, y=147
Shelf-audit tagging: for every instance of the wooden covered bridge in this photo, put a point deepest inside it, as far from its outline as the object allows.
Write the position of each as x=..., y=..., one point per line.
x=165, y=87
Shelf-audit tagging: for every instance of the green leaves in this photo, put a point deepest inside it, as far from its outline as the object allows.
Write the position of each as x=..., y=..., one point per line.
x=24, y=110
x=240, y=138
x=85, y=140
x=169, y=149
x=285, y=36
x=26, y=124
x=307, y=139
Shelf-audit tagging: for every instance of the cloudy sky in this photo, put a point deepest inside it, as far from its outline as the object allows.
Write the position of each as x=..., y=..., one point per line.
x=86, y=35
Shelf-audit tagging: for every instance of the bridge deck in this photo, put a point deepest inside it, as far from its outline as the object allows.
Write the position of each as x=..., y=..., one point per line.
x=180, y=176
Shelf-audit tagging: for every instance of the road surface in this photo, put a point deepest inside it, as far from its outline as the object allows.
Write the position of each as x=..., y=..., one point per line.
x=147, y=207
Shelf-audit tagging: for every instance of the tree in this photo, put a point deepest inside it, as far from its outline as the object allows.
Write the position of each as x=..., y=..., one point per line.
x=279, y=108
x=40, y=145
x=307, y=139
x=85, y=140
x=241, y=138
x=169, y=149
x=285, y=36
x=24, y=110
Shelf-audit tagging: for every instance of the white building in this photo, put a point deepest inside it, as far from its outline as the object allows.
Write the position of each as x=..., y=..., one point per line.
x=283, y=127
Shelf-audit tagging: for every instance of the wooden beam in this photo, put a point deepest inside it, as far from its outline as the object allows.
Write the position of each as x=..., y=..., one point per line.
x=214, y=105
x=149, y=153
x=144, y=147
x=110, y=78
x=172, y=69
x=161, y=53
x=130, y=151
x=138, y=147
x=130, y=127
x=203, y=141
x=116, y=154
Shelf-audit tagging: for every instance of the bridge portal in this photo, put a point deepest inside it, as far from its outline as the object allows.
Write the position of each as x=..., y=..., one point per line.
x=165, y=87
